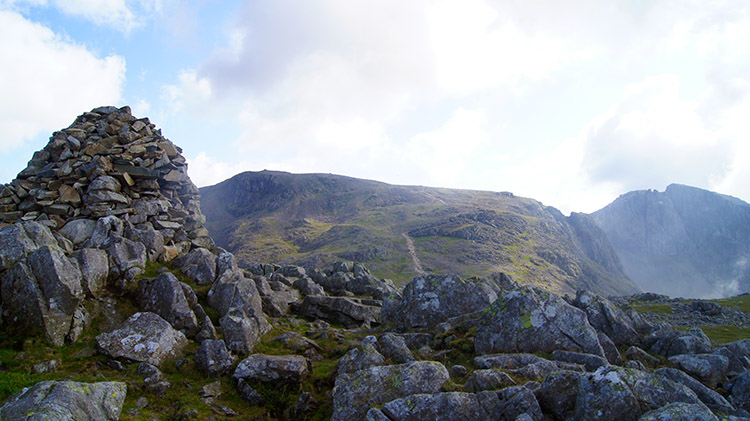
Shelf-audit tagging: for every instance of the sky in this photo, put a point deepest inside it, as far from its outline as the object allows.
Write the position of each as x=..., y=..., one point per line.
x=571, y=103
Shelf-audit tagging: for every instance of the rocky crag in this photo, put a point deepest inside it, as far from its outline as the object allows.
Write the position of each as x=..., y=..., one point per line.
x=117, y=306
x=684, y=241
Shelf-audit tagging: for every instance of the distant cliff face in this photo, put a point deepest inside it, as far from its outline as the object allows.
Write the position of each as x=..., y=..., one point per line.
x=403, y=231
x=684, y=241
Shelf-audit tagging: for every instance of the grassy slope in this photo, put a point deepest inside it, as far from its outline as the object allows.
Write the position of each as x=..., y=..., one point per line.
x=317, y=219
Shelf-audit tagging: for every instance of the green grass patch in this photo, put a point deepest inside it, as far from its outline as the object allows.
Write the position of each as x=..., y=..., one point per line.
x=741, y=302
x=726, y=334
x=653, y=308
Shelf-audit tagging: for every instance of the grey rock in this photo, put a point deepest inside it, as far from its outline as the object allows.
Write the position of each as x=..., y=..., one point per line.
x=249, y=394
x=105, y=182
x=438, y=406
x=365, y=356
x=590, y=362
x=738, y=353
x=710, y=398
x=213, y=358
x=610, y=349
x=668, y=342
x=458, y=371
x=679, y=411
x=374, y=414
x=94, y=265
x=429, y=300
x=532, y=320
x=355, y=393
x=143, y=337
x=41, y=294
x=739, y=389
x=199, y=264
x=349, y=312
x=152, y=239
x=165, y=296
x=78, y=230
x=225, y=261
x=394, y=347
x=241, y=332
x=620, y=393
x=124, y=255
x=527, y=366
x=307, y=286
x=19, y=239
x=233, y=291
x=105, y=228
x=558, y=393
x=709, y=369
x=510, y=403
x=608, y=319
x=488, y=379
x=71, y=401
x=277, y=302
x=273, y=368
x=637, y=354
x=297, y=342
x=49, y=366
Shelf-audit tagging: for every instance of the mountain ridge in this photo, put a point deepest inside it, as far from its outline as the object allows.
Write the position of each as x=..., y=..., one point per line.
x=314, y=219
x=683, y=241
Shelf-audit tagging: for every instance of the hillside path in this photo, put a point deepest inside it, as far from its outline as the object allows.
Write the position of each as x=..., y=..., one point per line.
x=413, y=253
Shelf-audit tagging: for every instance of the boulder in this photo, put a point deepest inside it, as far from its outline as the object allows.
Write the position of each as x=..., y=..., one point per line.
x=531, y=320
x=608, y=319
x=488, y=379
x=165, y=296
x=365, y=356
x=152, y=239
x=355, y=393
x=273, y=368
x=710, y=398
x=213, y=358
x=307, y=286
x=637, y=354
x=511, y=403
x=668, y=342
x=199, y=264
x=143, y=337
x=739, y=389
x=42, y=292
x=19, y=239
x=241, y=332
x=94, y=265
x=438, y=406
x=610, y=349
x=126, y=258
x=679, y=411
x=66, y=400
x=78, y=230
x=105, y=228
x=394, y=347
x=709, y=369
x=349, y=312
x=615, y=393
x=429, y=300
x=738, y=353
x=527, y=366
x=558, y=393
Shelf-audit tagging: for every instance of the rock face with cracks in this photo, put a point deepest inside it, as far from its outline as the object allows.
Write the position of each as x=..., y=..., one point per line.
x=71, y=401
x=531, y=320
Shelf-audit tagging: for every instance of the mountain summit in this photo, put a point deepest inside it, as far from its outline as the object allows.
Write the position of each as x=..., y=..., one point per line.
x=404, y=231
x=683, y=241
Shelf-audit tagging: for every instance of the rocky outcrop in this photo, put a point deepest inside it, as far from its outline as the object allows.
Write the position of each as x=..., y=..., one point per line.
x=143, y=337
x=429, y=300
x=349, y=312
x=67, y=401
x=354, y=394
x=532, y=320
x=273, y=368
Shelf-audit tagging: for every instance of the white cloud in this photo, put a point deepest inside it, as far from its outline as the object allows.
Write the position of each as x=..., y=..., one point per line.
x=112, y=13
x=206, y=171
x=41, y=71
x=191, y=91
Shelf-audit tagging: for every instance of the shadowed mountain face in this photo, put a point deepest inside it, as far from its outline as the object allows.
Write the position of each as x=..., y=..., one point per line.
x=684, y=241
x=402, y=231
